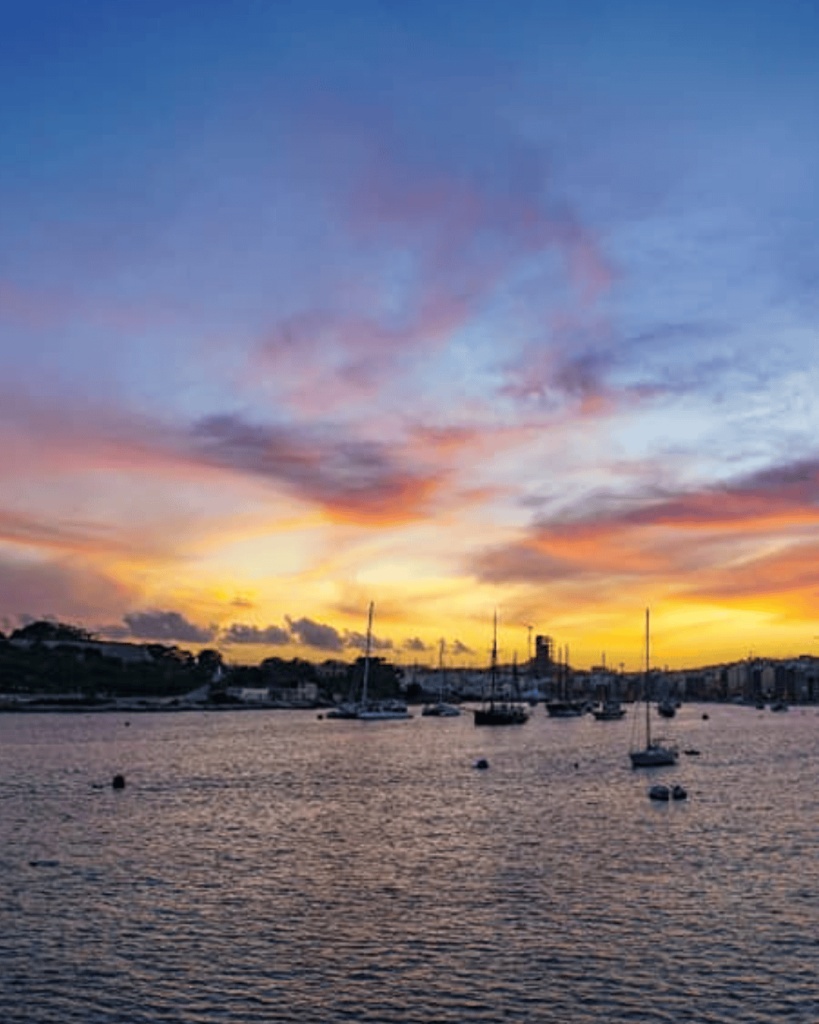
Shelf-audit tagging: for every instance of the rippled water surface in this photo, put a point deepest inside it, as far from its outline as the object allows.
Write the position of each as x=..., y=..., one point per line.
x=275, y=866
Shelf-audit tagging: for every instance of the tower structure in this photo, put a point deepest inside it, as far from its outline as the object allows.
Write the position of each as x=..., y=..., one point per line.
x=544, y=655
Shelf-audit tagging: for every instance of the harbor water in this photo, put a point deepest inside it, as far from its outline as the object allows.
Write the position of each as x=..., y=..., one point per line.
x=279, y=866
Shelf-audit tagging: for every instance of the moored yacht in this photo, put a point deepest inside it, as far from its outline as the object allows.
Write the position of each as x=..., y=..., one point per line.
x=655, y=753
x=498, y=709
x=366, y=709
x=609, y=711
x=440, y=708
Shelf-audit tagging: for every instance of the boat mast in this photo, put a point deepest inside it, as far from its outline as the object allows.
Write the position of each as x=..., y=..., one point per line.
x=367, y=656
x=645, y=688
x=493, y=679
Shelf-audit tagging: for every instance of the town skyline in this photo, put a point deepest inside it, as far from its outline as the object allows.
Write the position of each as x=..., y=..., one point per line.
x=463, y=310
x=320, y=643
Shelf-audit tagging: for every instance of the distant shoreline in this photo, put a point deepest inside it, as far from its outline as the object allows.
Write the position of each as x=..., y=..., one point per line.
x=52, y=707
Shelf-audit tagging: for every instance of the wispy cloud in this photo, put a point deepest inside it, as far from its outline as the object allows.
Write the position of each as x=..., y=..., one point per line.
x=427, y=240
x=716, y=531
x=352, y=480
x=66, y=589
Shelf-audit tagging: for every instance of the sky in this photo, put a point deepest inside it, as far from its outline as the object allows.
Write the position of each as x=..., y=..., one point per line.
x=456, y=308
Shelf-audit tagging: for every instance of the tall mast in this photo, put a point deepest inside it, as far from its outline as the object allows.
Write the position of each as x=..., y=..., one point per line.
x=561, y=682
x=367, y=656
x=645, y=687
x=493, y=677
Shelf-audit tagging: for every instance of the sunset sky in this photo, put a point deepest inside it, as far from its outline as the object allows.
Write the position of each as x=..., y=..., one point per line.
x=454, y=307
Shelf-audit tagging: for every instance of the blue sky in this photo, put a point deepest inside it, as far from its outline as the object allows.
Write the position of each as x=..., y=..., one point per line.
x=452, y=307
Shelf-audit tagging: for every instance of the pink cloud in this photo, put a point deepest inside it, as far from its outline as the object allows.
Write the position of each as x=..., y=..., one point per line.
x=431, y=243
x=66, y=588
x=712, y=542
x=352, y=481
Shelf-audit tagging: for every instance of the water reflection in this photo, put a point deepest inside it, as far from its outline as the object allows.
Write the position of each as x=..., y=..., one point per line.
x=273, y=866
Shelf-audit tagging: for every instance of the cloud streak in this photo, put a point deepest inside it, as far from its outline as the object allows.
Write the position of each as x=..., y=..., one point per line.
x=351, y=480
x=712, y=534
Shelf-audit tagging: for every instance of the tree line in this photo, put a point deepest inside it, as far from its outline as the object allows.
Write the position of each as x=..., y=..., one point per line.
x=54, y=658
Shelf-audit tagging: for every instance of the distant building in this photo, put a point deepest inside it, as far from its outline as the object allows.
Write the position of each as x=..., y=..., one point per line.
x=107, y=648
x=544, y=657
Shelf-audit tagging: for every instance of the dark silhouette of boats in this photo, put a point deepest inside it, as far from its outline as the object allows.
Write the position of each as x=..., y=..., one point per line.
x=365, y=709
x=665, y=793
x=561, y=706
x=609, y=711
x=565, y=708
x=498, y=709
x=667, y=708
x=441, y=708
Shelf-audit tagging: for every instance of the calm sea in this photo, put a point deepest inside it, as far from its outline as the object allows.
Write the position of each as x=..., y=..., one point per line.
x=275, y=866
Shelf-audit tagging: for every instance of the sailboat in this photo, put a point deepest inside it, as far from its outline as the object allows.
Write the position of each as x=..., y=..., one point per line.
x=440, y=709
x=610, y=710
x=667, y=707
x=656, y=753
x=498, y=710
x=562, y=706
x=366, y=709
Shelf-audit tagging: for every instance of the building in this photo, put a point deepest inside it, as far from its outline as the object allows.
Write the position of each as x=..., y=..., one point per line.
x=544, y=656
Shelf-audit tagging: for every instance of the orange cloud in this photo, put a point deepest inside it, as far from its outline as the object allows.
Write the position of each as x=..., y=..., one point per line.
x=712, y=531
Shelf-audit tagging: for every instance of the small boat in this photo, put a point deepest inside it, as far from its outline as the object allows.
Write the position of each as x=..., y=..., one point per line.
x=665, y=793
x=498, y=710
x=667, y=708
x=440, y=708
x=342, y=711
x=609, y=711
x=561, y=705
x=501, y=714
x=383, y=711
x=565, y=708
x=656, y=753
